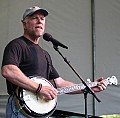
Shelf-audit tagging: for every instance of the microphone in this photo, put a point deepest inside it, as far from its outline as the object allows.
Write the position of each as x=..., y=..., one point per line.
x=48, y=37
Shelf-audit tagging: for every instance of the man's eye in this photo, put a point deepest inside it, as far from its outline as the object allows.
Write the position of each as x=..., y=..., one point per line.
x=33, y=17
x=42, y=18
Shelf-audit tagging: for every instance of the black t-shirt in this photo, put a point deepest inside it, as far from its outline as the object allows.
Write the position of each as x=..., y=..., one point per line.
x=30, y=58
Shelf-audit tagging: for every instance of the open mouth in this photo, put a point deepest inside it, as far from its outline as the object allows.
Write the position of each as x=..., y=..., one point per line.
x=38, y=27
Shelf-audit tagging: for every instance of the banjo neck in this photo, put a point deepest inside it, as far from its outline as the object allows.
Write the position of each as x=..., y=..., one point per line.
x=81, y=86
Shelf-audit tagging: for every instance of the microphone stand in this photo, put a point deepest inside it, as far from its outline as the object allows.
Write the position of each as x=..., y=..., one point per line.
x=87, y=88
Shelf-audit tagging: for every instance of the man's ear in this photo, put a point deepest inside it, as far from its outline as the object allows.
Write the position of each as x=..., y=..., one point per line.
x=24, y=23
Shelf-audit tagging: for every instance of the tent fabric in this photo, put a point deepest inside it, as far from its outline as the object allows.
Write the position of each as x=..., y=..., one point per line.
x=69, y=22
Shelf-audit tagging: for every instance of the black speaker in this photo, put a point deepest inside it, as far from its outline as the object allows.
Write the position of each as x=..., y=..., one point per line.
x=67, y=114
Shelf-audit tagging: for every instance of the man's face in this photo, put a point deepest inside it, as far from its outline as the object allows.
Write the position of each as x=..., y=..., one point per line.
x=34, y=25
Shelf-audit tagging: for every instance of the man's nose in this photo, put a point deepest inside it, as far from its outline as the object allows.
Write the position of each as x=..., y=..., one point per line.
x=39, y=20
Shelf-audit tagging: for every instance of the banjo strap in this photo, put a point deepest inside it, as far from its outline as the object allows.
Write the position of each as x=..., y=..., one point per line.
x=49, y=68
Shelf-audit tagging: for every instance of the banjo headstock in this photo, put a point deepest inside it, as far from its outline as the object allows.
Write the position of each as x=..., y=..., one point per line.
x=112, y=80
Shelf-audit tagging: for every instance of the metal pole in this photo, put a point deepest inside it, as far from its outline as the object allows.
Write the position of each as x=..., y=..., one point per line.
x=93, y=45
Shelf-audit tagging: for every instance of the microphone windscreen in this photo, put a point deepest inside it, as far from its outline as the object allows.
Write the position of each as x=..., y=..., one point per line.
x=47, y=36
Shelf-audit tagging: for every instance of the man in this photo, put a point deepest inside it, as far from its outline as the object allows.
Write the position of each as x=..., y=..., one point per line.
x=23, y=57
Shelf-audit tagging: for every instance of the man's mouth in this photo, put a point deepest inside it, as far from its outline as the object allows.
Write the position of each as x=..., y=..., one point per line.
x=38, y=27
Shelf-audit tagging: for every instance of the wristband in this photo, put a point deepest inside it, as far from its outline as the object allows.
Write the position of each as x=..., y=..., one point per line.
x=39, y=88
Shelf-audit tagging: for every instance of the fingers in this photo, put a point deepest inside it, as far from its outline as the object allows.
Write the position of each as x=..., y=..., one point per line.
x=51, y=95
x=49, y=92
x=103, y=84
x=102, y=87
x=100, y=79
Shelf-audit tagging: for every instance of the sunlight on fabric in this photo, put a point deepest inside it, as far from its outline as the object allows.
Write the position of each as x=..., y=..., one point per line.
x=111, y=116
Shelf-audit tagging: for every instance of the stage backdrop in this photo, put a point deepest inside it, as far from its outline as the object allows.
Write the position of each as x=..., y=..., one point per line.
x=69, y=21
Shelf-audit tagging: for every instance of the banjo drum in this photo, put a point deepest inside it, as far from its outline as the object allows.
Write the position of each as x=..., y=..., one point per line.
x=31, y=106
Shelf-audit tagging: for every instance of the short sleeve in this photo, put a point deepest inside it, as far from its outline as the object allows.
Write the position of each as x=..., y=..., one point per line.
x=12, y=54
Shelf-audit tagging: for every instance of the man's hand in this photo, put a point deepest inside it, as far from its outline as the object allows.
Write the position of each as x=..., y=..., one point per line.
x=102, y=86
x=48, y=92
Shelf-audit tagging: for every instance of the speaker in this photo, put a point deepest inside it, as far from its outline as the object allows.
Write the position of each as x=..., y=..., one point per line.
x=67, y=114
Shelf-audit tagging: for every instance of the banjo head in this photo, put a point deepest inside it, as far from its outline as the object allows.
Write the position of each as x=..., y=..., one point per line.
x=33, y=106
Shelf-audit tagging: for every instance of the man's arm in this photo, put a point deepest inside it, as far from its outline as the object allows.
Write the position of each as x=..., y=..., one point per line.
x=13, y=74
x=63, y=83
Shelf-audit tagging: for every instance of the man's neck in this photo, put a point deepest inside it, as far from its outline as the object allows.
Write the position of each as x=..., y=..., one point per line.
x=32, y=39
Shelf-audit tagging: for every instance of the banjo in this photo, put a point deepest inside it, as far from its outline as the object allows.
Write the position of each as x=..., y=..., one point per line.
x=32, y=107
